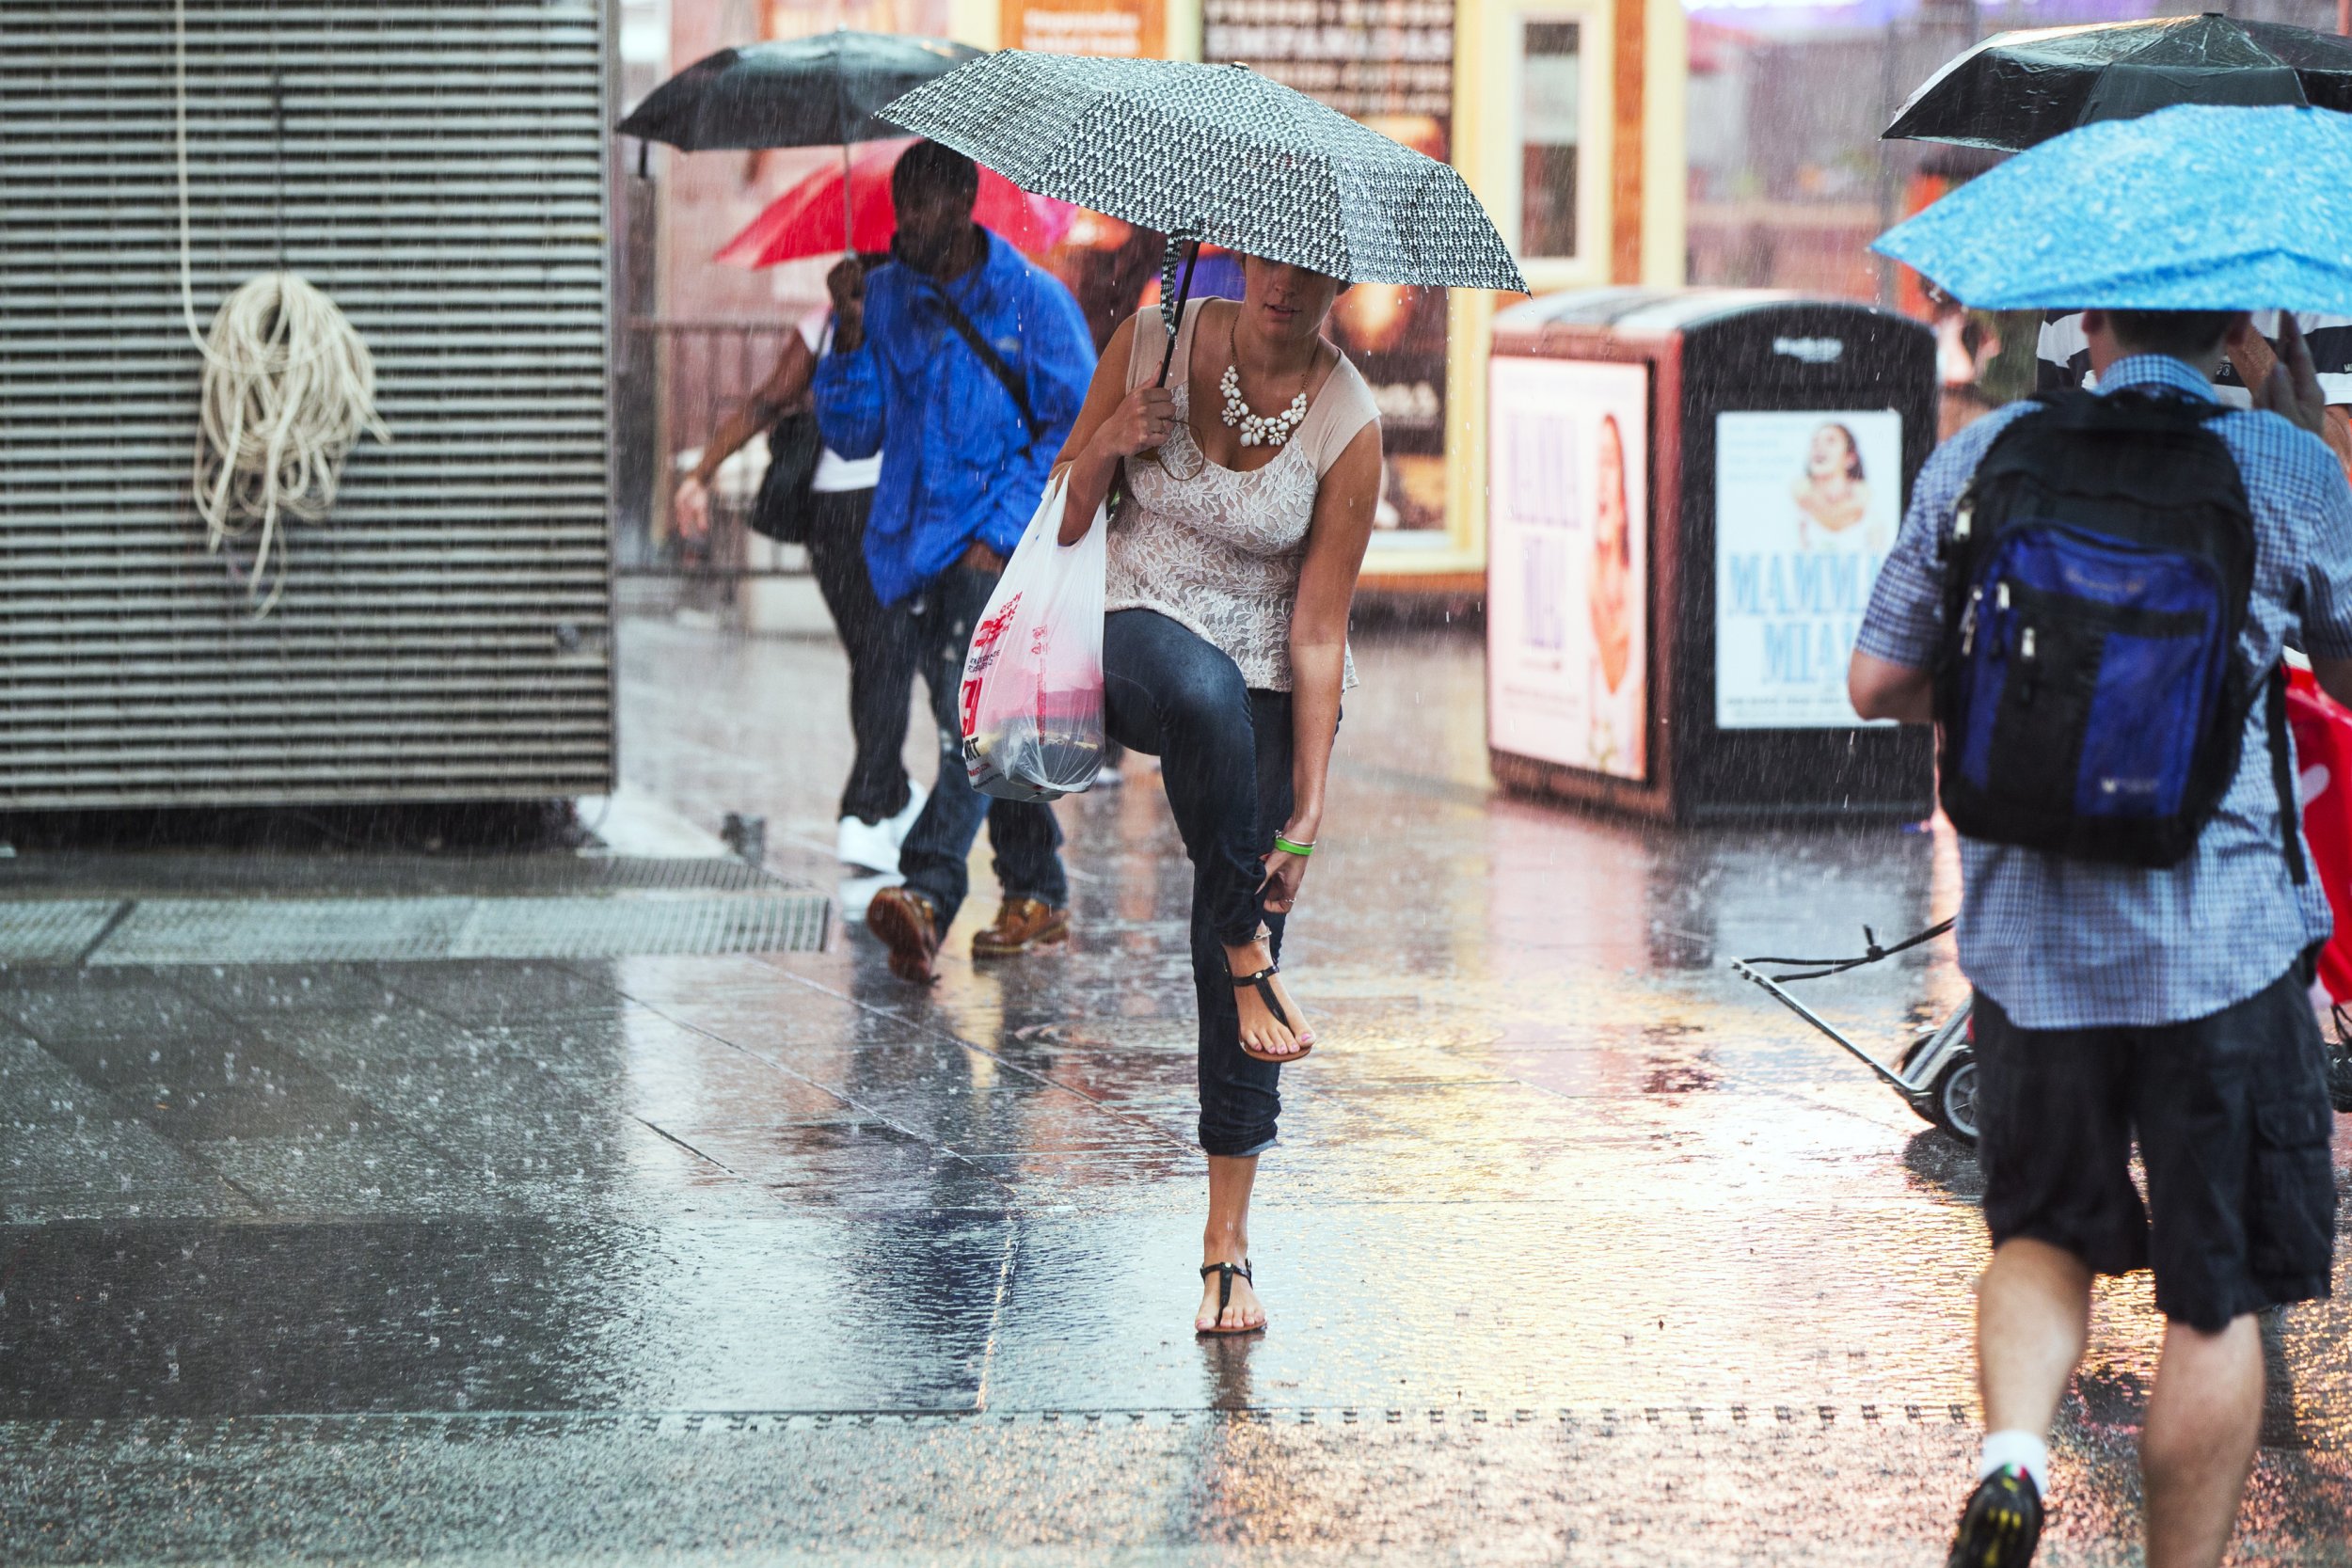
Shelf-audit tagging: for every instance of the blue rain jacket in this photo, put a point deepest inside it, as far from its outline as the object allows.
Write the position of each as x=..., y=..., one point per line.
x=958, y=463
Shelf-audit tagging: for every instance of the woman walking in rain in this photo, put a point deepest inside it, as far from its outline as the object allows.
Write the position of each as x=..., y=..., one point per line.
x=1234, y=556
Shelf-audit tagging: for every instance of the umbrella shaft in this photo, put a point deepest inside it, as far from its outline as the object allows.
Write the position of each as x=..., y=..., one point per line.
x=1184, y=291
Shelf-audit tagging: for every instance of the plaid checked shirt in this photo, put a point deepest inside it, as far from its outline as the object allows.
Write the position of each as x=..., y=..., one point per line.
x=2072, y=945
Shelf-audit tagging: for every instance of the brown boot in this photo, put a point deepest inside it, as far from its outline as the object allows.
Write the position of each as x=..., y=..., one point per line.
x=907, y=924
x=1021, y=924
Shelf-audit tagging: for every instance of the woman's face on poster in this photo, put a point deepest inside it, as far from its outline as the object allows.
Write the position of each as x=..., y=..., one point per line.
x=1832, y=455
x=1609, y=504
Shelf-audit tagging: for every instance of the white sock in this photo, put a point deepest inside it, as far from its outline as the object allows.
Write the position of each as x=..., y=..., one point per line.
x=2024, y=1450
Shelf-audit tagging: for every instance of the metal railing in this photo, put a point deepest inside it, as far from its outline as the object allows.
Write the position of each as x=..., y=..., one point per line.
x=679, y=381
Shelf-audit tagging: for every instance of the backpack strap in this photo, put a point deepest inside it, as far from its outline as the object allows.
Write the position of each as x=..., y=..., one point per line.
x=995, y=361
x=2282, y=776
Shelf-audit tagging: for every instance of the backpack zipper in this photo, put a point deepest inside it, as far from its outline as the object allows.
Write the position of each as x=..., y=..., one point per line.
x=1969, y=621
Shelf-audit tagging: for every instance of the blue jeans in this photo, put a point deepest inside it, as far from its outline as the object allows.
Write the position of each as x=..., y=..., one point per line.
x=937, y=624
x=1225, y=758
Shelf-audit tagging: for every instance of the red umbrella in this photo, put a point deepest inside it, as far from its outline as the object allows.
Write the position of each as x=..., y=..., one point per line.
x=806, y=220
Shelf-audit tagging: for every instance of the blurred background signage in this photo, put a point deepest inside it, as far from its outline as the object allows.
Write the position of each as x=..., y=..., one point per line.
x=1128, y=29
x=1389, y=63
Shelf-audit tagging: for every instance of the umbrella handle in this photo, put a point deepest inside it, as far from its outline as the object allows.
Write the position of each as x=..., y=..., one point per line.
x=1183, y=291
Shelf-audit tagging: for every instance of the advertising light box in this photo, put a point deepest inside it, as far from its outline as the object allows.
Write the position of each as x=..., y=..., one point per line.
x=1806, y=506
x=1569, y=550
x=1690, y=495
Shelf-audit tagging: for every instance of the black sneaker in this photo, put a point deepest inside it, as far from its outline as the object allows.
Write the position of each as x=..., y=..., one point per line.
x=2002, y=1525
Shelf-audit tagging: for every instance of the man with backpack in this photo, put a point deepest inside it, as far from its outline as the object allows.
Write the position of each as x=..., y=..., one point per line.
x=963, y=364
x=2090, y=598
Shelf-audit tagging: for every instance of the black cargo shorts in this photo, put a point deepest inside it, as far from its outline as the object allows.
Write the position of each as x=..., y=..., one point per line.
x=2231, y=1111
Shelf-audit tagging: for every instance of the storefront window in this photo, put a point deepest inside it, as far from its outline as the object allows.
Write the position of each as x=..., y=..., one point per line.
x=1550, y=102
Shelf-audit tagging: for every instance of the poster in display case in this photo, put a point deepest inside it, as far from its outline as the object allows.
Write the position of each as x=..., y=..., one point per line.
x=1806, y=506
x=1569, y=542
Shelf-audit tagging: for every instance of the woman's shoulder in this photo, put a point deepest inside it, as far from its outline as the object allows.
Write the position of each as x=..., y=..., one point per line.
x=1148, y=321
x=1349, y=390
x=1343, y=409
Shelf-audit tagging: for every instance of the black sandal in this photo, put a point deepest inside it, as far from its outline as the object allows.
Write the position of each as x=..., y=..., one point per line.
x=1263, y=983
x=1225, y=1272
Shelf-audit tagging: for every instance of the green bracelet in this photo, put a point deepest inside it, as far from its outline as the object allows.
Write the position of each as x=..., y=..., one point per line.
x=1291, y=847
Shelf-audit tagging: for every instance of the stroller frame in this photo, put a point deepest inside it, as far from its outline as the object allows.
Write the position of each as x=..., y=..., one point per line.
x=1936, y=1078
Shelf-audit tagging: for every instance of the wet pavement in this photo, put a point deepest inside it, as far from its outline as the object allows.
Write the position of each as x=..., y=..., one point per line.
x=1577, y=1248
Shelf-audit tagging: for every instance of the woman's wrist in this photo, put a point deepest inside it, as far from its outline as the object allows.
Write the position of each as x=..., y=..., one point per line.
x=1100, y=460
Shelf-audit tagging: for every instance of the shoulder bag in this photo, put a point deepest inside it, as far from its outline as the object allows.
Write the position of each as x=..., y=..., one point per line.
x=1014, y=388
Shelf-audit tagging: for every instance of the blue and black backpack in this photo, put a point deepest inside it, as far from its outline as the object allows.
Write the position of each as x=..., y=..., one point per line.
x=2090, y=688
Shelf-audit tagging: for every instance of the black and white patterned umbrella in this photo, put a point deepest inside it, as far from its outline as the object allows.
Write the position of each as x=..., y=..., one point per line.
x=1217, y=153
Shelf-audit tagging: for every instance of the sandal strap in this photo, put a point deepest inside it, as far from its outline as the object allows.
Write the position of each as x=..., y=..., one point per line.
x=1263, y=983
x=1225, y=1272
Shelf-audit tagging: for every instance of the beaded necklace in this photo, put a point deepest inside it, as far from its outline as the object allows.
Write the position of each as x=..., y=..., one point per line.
x=1269, y=429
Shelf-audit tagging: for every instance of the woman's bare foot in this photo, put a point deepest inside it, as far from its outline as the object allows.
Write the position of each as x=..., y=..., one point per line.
x=1242, y=1313
x=1261, y=1033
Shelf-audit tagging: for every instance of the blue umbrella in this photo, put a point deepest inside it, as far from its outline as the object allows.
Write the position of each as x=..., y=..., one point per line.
x=2192, y=208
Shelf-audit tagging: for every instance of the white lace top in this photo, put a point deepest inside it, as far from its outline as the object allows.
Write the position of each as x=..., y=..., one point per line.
x=1220, y=552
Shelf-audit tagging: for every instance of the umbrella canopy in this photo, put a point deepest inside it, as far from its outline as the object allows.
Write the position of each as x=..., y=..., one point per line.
x=806, y=220
x=2191, y=207
x=2016, y=89
x=794, y=92
x=1218, y=153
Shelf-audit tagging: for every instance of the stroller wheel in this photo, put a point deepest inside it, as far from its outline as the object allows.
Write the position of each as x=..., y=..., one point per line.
x=1955, y=1094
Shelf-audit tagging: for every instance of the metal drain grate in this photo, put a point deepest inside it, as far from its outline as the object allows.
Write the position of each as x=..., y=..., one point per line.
x=405, y=931
x=610, y=927
x=54, y=931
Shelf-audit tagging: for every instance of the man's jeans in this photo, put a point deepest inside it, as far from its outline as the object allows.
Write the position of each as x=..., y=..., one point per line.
x=881, y=666
x=937, y=622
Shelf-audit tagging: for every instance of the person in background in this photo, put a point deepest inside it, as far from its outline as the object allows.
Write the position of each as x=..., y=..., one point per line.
x=2064, y=353
x=960, y=364
x=880, y=803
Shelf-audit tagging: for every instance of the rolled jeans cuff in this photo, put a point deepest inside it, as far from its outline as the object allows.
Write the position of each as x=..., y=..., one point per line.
x=1237, y=1148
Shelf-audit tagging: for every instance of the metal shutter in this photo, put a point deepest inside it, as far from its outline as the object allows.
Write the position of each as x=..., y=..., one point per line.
x=446, y=633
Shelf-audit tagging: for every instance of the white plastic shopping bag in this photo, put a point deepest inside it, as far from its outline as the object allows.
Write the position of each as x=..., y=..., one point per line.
x=1032, y=695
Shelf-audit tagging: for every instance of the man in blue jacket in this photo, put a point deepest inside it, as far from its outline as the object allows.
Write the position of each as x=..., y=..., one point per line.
x=963, y=364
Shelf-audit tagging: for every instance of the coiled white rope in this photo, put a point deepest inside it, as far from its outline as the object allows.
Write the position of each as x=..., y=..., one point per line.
x=288, y=387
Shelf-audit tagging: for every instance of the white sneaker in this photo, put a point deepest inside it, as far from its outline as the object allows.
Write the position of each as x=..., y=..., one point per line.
x=903, y=823
x=870, y=844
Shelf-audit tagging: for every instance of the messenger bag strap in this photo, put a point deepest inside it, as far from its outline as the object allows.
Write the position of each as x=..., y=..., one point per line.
x=995, y=363
x=2283, y=775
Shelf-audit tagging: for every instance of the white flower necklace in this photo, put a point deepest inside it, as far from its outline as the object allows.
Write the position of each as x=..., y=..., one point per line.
x=1269, y=429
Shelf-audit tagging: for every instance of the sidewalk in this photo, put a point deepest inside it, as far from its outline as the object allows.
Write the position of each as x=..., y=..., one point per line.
x=1577, y=1249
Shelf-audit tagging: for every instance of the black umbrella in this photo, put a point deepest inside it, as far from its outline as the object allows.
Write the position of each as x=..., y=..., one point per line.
x=2015, y=89
x=794, y=92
